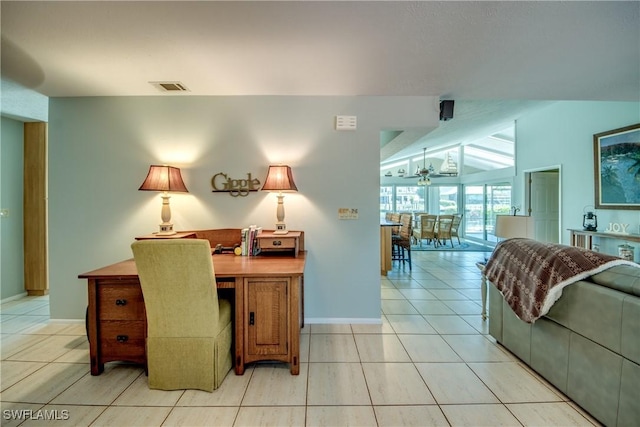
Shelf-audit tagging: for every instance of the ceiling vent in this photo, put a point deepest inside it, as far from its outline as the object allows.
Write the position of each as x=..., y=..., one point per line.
x=170, y=86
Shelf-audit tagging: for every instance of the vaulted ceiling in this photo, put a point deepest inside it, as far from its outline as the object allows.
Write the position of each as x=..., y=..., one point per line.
x=496, y=59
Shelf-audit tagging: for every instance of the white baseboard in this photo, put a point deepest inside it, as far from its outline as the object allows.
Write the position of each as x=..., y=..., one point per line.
x=342, y=321
x=13, y=298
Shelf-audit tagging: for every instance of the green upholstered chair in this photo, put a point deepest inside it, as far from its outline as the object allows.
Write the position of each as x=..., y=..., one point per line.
x=189, y=330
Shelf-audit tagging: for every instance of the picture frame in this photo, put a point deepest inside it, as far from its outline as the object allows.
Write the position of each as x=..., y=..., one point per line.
x=616, y=158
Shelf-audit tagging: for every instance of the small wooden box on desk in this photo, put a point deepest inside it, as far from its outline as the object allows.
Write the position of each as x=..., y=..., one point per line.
x=292, y=242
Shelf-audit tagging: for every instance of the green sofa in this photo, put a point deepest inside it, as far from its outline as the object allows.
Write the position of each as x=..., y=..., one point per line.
x=587, y=345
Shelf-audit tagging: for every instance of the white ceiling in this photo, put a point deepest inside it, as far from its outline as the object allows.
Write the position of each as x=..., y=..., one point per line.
x=493, y=58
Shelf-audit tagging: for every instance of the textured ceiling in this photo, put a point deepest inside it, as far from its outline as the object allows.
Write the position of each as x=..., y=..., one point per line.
x=495, y=57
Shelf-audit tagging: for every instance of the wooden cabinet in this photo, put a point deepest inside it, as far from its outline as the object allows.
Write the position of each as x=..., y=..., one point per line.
x=266, y=319
x=117, y=309
x=272, y=320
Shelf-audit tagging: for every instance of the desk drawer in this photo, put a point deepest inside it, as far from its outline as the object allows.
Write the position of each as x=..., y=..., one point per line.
x=277, y=243
x=120, y=302
x=122, y=340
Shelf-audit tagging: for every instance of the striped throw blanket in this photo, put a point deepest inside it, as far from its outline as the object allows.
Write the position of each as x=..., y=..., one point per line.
x=531, y=274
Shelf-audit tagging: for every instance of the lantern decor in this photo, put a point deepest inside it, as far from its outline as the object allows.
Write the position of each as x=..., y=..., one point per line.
x=589, y=220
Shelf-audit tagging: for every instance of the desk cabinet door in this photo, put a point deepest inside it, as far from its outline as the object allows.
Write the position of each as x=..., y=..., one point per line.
x=266, y=316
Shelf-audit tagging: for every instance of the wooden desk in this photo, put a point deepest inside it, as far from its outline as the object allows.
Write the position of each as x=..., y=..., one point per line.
x=178, y=235
x=269, y=287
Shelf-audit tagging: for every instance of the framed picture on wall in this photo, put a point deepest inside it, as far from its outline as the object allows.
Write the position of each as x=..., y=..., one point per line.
x=616, y=155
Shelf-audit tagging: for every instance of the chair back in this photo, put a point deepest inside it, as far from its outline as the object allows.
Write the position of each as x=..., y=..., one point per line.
x=178, y=286
x=428, y=223
x=445, y=222
x=457, y=219
x=395, y=217
x=405, y=226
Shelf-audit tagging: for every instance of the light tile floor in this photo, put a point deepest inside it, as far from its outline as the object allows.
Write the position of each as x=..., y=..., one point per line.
x=430, y=363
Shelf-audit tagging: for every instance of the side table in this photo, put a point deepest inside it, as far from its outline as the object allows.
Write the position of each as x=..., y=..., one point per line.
x=483, y=288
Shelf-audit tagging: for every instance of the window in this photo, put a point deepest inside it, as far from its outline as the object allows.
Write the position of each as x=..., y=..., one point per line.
x=481, y=205
x=443, y=200
x=409, y=198
x=435, y=199
x=386, y=199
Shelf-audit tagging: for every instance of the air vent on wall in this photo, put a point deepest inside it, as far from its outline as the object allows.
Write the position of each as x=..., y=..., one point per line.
x=170, y=86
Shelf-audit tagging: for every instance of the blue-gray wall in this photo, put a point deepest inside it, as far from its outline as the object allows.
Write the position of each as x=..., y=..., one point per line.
x=11, y=227
x=17, y=105
x=562, y=135
x=100, y=150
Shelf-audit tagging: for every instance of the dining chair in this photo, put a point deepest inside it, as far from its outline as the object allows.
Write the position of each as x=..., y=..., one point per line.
x=426, y=229
x=445, y=222
x=402, y=241
x=189, y=329
x=395, y=217
x=457, y=220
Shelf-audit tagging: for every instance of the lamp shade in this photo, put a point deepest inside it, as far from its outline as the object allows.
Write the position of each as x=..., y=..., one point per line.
x=279, y=178
x=163, y=178
x=510, y=226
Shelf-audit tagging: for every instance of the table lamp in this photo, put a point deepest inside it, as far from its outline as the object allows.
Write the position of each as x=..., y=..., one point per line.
x=510, y=226
x=280, y=179
x=164, y=178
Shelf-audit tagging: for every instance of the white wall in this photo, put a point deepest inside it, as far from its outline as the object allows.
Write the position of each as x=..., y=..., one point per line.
x=562, y=135
x=100, y=150
x=11, y=227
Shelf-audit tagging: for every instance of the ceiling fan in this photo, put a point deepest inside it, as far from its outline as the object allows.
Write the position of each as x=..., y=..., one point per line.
x=423, y=173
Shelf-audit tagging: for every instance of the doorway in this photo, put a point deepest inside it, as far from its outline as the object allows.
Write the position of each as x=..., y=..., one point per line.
x=542, y=195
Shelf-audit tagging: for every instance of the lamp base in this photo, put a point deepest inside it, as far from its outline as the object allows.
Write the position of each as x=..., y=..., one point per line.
x=166, y=229
x=281, y=228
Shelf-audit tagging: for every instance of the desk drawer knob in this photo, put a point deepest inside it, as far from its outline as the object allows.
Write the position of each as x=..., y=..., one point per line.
x=277, y=243
x=122, y=338
x=121, y=302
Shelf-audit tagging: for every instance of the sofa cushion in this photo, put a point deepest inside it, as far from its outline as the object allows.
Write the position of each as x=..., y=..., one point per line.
x=623, y=278
x=630, y=346
x=628, y=409
x=591, y=310
x=550, y=352
x=594, y=378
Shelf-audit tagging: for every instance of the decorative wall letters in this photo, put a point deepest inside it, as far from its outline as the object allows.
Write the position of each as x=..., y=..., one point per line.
x=616, y=228
x=221, y=183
